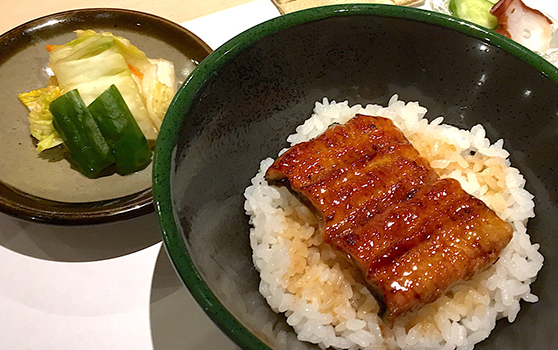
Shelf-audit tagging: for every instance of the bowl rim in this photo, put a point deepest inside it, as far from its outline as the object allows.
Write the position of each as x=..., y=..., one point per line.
x=21, y=205
x=186, y=95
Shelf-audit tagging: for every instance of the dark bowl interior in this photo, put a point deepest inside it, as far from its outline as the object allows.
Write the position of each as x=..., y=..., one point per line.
x=241, y=103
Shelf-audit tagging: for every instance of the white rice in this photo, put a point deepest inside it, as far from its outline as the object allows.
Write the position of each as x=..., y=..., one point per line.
x=314, y=287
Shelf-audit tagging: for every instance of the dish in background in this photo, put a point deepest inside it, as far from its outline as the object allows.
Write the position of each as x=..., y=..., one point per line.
x=550, y=55
x=44, y=187
x=254, y=90
x=287, y=6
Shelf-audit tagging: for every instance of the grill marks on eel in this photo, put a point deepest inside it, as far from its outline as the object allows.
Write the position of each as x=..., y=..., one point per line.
x=411, y=234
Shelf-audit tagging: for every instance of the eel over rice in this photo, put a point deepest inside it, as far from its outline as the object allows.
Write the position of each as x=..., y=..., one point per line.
x=410, y=233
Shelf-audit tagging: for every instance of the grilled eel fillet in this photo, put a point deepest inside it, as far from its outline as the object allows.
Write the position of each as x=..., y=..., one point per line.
x=411, y=234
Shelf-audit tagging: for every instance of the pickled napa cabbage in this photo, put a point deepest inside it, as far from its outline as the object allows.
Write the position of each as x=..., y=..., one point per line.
x=94, y=61
x=156, y=87
x=40, y=118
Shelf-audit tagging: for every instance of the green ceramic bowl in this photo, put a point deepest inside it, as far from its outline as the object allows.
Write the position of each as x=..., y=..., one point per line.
x=240, y=104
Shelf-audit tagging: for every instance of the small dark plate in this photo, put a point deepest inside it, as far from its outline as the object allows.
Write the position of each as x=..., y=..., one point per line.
x=242, y=102
x=44, y=188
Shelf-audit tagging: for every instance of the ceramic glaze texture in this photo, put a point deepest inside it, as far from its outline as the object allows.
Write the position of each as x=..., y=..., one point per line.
x=250, y=95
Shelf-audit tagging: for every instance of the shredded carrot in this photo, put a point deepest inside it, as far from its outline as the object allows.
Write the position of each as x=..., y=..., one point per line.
x=49, y=48
x=136, y=72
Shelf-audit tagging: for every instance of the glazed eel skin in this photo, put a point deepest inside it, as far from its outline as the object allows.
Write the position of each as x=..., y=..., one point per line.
x=410, y=233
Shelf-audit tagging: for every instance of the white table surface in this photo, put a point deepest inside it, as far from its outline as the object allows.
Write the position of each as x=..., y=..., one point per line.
x=111, y=286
